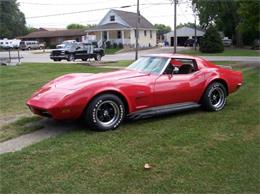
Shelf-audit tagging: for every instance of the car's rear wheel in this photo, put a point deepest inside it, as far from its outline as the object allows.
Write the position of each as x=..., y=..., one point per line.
x=98, y=57
x=105, y=112
x=214, y=98
x=71, y=57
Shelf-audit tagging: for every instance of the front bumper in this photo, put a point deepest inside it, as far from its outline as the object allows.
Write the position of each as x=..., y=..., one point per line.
x=60, y=57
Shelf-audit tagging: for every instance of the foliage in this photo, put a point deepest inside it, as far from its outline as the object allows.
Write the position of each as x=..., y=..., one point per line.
x=120, y=45
x=211, y=41
x=162, y=29
x=115, y=45
x=80, y=26
x=238, y=19
x=250, y=24
x=108, y=44
x=12, y=20
x=30, y=29
x=189, y=24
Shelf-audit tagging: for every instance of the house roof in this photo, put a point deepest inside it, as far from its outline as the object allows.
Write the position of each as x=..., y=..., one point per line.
x=108, y=26
x=57, y=33
x=51, y=29
x=186, y=31
x=130, y=18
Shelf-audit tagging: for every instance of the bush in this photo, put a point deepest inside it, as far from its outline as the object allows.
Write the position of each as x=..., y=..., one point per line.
x=211, y=41
x=108, y=44
x=120, y=45
x=115, y=45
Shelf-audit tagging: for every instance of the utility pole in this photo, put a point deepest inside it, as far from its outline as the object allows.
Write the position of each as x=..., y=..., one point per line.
x=195, y=43
x=175, y=21
x=195, y=28
x=137, y=31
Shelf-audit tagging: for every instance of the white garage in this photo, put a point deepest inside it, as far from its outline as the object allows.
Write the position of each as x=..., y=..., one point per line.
x=183, y=33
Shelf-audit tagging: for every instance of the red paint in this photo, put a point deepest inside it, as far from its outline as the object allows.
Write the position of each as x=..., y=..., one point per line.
x=67, y=96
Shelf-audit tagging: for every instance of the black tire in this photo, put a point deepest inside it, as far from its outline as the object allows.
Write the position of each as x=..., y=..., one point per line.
x=105, y=112
x=70, y=57
x=57, y=60
x=98, y=57
x=214, y=98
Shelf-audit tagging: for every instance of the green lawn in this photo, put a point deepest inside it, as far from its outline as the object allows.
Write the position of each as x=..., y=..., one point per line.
x=192, y=152
x=18, y=83
x=111, y=50
x=227, y=52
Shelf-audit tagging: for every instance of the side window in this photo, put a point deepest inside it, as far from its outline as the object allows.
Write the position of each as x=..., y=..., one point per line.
x=181, y=66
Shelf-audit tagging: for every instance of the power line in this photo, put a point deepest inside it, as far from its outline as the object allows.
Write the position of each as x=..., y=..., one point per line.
x=92, y=10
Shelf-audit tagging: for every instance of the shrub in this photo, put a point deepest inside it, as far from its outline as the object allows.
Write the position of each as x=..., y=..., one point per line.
x=120, y=45
x=108, y=44
x=115, y=45
x=211, y=41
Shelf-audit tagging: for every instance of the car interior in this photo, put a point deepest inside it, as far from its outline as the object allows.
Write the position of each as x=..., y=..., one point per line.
x=181, y=66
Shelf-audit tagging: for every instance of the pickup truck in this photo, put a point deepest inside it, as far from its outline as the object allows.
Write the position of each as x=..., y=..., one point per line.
x=73, y=51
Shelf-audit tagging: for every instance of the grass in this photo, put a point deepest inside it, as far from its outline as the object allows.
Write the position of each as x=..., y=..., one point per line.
x=21, y=126
x=111, y=50
x=227, y=52
x=192, y=152
x=18, y=83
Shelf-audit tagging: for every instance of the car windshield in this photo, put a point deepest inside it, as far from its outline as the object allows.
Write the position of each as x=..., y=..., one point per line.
x=70, y=46
x=148, y=64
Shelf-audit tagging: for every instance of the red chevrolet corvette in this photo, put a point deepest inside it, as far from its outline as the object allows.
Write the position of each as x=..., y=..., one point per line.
x=154, y=84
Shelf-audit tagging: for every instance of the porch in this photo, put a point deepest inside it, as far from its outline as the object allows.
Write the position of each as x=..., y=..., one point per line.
x=114, y=36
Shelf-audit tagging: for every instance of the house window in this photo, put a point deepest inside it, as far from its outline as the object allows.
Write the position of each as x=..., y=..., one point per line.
x=144, y=32
x=151, y=34
x=112, y=18
x=119, y=35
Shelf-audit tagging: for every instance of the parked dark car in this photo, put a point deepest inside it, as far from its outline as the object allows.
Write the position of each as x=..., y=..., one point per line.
x=75, y=51
x=189, y=43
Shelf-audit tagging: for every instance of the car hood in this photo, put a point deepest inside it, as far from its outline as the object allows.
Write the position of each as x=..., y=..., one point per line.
x=61, y=49
x=80, y=80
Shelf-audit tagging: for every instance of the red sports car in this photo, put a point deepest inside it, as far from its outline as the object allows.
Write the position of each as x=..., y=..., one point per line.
x=154, y=84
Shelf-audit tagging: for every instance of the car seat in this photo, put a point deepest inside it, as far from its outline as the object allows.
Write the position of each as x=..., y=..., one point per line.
x=186, y=69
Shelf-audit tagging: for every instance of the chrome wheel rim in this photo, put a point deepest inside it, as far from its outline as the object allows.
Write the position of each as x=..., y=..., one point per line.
x=107, y=113
x=217, y=97
x=98, y=57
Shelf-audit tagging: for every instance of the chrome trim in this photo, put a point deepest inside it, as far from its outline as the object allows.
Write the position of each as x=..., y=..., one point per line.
x=165, y=66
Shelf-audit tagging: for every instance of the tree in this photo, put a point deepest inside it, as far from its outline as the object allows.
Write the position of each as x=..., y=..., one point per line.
x=223, y=14
x=30, y=29
x=238, y=19
x=12, y=22
x=161, y=30
x=80, y=26
x=250, y=24
x=211, y=41
x=189, y=24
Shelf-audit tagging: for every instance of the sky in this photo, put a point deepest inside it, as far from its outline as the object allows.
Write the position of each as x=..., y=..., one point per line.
x=92, y=11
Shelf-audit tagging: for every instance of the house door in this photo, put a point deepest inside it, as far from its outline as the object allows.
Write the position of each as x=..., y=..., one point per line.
x=105, y=35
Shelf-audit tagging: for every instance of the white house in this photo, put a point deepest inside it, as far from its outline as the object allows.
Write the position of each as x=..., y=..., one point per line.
x=120, y=27
x=183, y=33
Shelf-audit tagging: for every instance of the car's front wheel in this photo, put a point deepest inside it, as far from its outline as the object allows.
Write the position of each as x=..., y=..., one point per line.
x=105, y=112
x=214, y=98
